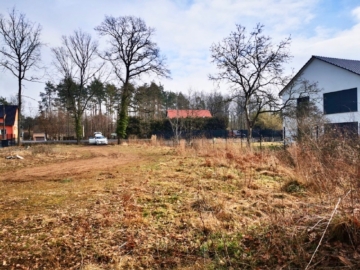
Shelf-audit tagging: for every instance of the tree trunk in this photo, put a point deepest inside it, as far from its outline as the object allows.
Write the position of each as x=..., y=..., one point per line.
x=78, y=129
x=19, y=111
x=249, y=135
x=248, y=126
x=123, y=115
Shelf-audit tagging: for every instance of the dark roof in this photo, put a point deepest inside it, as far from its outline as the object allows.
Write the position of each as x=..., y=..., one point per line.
x=350, y=65
x=347, y=64
x=10, y=112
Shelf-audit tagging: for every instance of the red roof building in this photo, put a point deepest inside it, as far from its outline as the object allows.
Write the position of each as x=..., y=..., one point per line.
x=188, y=113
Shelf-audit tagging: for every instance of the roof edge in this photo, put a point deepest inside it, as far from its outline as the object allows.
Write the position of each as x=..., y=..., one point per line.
x=318, y=57
x=297, y=75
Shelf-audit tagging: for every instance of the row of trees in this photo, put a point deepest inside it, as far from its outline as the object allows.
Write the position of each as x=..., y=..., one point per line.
x=147, y=110
x=148, y=103
x=131, y=54
x=249, y=62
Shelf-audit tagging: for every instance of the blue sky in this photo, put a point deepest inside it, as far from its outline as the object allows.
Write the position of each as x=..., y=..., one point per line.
x=185, y=30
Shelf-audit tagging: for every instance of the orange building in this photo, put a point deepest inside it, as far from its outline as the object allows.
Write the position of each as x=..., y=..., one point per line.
x=9, y=114
x=188, y=113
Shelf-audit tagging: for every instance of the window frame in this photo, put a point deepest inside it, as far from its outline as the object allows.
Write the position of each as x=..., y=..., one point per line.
x=340, y=108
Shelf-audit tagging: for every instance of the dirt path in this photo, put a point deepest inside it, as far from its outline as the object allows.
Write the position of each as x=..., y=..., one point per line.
x=100, y=161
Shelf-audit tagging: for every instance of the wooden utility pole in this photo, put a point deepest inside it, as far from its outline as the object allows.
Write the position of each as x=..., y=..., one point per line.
x=3, y=133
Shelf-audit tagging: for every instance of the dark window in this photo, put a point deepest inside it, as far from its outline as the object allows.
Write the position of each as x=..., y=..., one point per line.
x=340, y=101
x=302, y=107
x=302, y=100
x=347, y=128
x=302, y=111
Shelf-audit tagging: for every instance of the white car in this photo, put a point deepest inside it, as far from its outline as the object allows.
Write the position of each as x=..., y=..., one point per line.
x=98, y=139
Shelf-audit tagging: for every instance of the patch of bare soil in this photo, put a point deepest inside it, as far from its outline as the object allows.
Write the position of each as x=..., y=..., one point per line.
x=99, y=159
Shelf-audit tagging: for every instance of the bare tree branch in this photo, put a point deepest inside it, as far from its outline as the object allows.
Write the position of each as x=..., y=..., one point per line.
x=20, y=50
x=132, y=53
x=253, y=66
x=77, y=61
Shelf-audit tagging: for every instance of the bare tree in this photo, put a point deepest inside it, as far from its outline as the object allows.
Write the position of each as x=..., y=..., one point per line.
x=76, y=61
x=218, y=104
x=20, y=50
x=132, y=54
x=254, y=68
x=177, y=125
x=181, y=104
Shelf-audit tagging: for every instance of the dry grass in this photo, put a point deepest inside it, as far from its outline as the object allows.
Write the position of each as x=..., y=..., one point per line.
x=214, y=205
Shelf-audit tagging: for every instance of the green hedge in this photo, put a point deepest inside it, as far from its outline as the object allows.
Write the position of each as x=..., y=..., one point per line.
x=144, y=129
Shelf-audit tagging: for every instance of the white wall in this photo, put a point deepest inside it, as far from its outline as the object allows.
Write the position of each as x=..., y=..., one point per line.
x=330, y=79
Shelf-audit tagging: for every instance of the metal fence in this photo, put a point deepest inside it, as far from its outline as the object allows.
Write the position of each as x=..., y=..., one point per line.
x=7, y=140
x=257, y=134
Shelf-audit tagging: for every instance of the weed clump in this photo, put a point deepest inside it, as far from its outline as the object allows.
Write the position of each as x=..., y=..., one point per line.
x=293, y=186
x=42, y=149
x=345, y=230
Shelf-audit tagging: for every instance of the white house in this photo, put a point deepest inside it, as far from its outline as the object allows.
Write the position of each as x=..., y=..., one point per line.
x=338, y=81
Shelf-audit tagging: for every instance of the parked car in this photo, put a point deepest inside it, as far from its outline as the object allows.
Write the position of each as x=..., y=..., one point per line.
x=98, y=139
x=236, y=134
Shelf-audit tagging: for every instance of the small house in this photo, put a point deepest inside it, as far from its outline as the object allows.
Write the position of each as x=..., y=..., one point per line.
x=9, y=117
x=39, y=137
x=338, y=81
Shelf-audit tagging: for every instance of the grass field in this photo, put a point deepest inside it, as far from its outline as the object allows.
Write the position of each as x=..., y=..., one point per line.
x=142, y=206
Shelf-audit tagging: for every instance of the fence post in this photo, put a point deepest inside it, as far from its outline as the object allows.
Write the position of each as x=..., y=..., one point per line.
x=213, y=139
x=226, y=137
x=284, y=136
